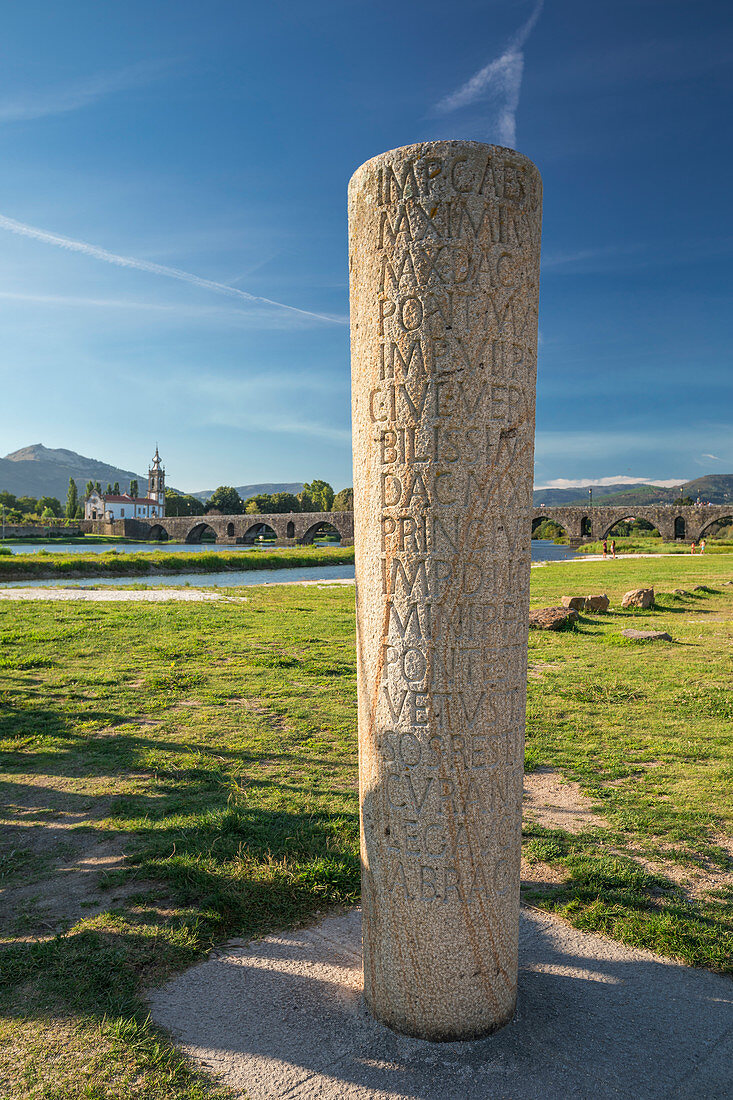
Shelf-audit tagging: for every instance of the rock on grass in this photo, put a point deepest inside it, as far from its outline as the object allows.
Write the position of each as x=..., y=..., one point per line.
x=647, y=635
x=552, y=618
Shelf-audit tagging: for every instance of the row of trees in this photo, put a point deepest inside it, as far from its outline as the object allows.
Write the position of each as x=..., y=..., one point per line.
x=26, y=508
x=22, y=509
x=316, y=496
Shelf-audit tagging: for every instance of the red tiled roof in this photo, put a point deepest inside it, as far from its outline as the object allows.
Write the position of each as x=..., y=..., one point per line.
x=127, y=500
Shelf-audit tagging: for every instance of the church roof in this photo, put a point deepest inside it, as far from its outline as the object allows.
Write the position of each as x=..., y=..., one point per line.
x=125, y=499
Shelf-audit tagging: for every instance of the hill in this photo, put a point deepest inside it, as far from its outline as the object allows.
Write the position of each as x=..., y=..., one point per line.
x=44, y=471
x=246, y=491
x=716, y=488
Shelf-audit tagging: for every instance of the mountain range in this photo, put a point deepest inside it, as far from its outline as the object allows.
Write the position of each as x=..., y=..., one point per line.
x=39, y=471
x=716, y=488
x=246, y=491
x=45, y=471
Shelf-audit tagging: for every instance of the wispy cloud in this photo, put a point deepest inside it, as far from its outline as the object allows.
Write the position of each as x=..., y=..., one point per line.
x=96, y=253
x=500, y=82
x=29, y=105
x=713, y=457
x=617, y=479
x=295, y=400
x=566, y=261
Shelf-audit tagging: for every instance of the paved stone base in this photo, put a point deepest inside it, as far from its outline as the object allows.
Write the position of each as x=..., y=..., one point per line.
x=283, y=1017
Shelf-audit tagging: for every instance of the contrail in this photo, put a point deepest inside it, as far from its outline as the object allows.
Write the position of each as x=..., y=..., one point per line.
x=36, y=234
x=501, y=79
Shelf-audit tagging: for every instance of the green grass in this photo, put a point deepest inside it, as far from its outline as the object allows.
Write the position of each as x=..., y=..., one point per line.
x=215, y=745
x=46, y=565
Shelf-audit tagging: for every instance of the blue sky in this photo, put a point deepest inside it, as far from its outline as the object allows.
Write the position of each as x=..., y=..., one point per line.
x=202, y=152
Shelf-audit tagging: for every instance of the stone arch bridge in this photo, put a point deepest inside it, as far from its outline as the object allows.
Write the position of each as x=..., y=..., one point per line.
x=686, y=522
x=289, y=529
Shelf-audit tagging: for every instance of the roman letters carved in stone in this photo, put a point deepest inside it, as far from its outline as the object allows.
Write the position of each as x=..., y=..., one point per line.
x=444, y=261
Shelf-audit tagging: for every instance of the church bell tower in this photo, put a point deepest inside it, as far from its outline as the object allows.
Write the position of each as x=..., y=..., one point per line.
x=156, y=481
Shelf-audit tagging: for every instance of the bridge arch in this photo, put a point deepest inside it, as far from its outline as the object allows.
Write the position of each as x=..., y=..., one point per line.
x=230, y=530
x=259, y=530
x=679, y=528
x=540, y=518
x=719, y=521
x=158, y=533
x=322, y=528
x=290, y=530
x=609, y=525
x=201, y=531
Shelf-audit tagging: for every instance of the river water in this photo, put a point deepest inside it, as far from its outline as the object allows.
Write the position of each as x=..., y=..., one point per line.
x=541, y=551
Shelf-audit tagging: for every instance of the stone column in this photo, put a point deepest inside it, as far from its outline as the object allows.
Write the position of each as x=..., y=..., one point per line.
x=444, y=241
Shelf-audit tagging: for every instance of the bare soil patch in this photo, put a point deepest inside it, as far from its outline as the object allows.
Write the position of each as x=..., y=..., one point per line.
x=558, y=803
x=55, y=862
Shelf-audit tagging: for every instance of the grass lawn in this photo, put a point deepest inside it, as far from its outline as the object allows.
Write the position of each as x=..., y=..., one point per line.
x=176, y=774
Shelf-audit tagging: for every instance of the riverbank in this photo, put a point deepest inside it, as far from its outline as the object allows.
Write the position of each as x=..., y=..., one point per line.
x=48, y=566
x=636, y=546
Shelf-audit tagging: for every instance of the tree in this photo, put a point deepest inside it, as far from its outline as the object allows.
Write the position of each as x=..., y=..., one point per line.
x=343, y=501
x=225, y=500
x=260, y=502
x=306, y=502
x=97, y=486
x=548, y=529
x=8, y=499
x=52, y=505
x=116, y=488
x=27, y=505
x=108, y=490
x=281, y=503
x=134, y=488
x=182, y=504
x=89, y=488
x=321, y=493
x=72, y=499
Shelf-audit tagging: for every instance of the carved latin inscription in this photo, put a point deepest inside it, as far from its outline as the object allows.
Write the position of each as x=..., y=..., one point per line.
x=444, y=258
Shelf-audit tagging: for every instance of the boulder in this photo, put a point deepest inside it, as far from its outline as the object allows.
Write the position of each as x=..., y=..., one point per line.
x=552, y=618
x=639, y=597
x=597, y=603
x=577, y=603
x=647, y=635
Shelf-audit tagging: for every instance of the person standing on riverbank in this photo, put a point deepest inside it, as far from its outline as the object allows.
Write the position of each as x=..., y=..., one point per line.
x=605, y=549
x=692, y=548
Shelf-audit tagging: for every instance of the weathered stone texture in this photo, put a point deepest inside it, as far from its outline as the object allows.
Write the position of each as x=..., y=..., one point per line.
x=639, y=597
x=597, y=603
x=577, y=603
x=552, y=618
x=444, y=261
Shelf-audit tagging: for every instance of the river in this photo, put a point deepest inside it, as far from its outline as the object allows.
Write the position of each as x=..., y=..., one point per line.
x=542, y=550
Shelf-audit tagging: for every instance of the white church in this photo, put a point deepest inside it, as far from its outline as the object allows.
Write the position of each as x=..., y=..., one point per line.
x=122, y=506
